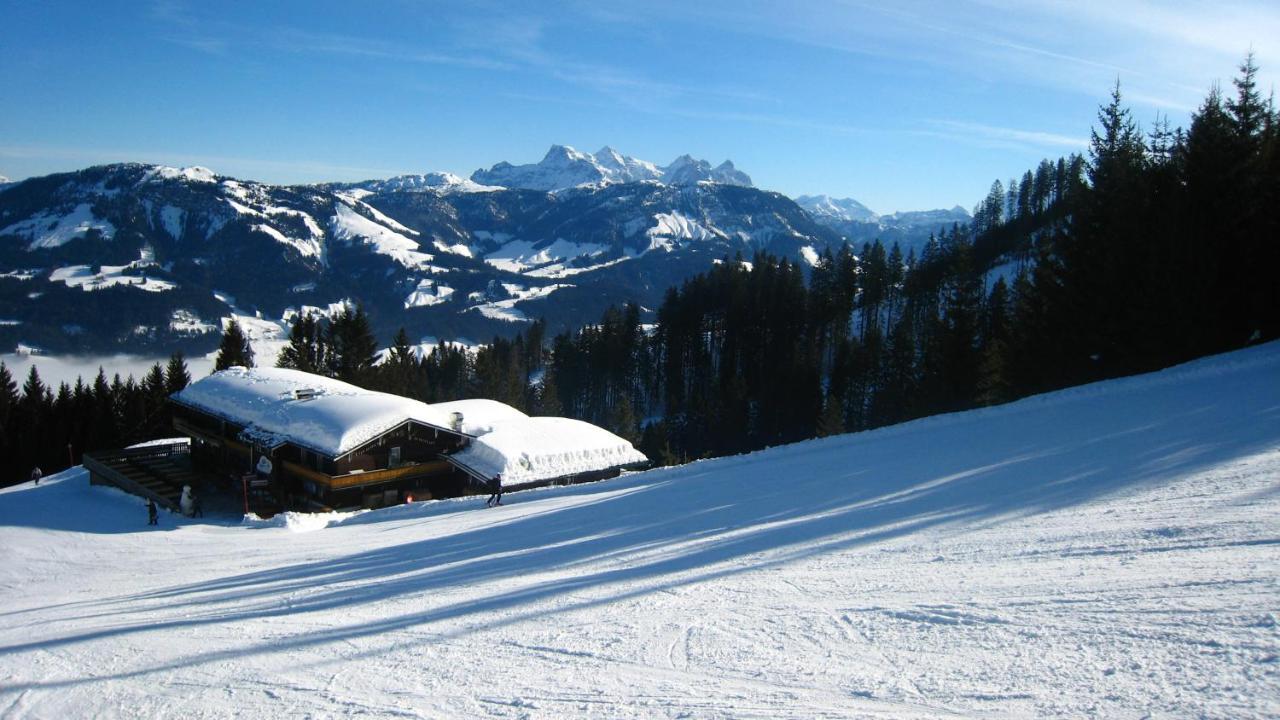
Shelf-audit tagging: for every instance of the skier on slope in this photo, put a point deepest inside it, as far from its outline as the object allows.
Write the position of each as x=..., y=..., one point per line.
x=153, y=518
x=36, y=475
x=496, y=486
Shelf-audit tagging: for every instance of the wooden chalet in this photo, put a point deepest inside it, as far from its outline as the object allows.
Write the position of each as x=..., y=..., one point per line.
x=293, y=440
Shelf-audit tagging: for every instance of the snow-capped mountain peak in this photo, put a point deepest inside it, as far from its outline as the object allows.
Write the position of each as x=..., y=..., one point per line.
x=624, y=168
x=564, y=167
x=844, y=209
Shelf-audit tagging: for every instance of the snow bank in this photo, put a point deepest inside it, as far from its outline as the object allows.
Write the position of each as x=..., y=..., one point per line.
x=299, y=522
x=543, y=448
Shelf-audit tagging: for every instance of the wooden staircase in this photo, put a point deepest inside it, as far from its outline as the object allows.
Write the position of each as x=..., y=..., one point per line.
x=156, y=472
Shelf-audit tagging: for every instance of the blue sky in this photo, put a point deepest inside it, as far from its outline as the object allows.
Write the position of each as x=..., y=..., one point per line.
x=902, y=105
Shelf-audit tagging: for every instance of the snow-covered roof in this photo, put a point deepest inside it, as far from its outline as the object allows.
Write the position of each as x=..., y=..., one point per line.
x=479, y=416
x=335, y=419
x=278, y=406
x=542, y=448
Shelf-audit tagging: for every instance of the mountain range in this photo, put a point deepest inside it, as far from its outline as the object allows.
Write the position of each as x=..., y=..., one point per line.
x=563, y=168
x=167, y=253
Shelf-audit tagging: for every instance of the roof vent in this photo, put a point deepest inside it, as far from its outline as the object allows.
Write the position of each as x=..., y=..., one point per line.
x=305, y=393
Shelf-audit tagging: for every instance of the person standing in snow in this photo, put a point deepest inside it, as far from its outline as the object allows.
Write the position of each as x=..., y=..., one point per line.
x=153, y=518
x=36, y=475
x=197, y=507
x=496, y=486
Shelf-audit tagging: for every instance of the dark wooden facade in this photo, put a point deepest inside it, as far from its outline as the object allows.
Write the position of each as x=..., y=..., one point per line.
x=402, y=463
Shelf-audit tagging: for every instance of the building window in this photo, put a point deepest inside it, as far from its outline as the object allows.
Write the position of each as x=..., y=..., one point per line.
x=394, y=460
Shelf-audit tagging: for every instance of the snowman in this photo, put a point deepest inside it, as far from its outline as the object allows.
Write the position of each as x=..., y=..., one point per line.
x=188, y=501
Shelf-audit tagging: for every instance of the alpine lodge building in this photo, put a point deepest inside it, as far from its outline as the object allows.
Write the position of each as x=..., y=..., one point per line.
x=299, y=441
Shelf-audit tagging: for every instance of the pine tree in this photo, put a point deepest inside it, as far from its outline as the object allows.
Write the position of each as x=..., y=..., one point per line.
x=234, y=349
x=8, y=404
x=176, y=375
x=8, y=396
x=31, y=425
x=352, y=348
x=1248, y=111
x=306, y=350
x=831, y=421
x=547, y=401
x=993, y=382
x=400, y=373
x=155, y=402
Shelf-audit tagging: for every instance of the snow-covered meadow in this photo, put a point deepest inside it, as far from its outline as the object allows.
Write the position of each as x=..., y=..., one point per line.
x=1107, y=551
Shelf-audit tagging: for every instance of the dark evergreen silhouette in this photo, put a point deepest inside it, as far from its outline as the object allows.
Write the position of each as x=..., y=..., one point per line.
x=234, y=349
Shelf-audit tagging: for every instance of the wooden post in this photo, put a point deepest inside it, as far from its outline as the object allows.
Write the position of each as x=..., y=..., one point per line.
x=71, y=458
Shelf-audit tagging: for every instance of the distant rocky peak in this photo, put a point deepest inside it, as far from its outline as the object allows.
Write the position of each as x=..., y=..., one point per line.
x=565, y=155
x=608, y=156
x=687, y=170
x=840, y=209
x=564, y=167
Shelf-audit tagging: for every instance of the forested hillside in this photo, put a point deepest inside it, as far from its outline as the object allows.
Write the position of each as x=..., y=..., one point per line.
x=1158, y=247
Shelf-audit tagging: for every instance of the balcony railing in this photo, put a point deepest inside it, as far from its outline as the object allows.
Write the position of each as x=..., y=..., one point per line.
x=367, y=477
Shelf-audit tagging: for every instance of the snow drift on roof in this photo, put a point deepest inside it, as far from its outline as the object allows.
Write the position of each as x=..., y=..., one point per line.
x=479, y=416
x=338, y=419
x=543, y=448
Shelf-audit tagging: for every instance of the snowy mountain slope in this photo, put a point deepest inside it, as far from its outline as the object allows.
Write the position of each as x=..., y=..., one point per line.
x=186, y=234
x=564, y=167
x=429, y=182
x=1105, y=551
x=189, y=235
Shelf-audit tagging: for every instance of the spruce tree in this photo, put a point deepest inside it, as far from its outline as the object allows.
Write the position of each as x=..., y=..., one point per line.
x=352, y=348
x=234, y=349
x=8, y=403
x=176, y=375
x=399, y=374
x=306, y=350
x=155, y=400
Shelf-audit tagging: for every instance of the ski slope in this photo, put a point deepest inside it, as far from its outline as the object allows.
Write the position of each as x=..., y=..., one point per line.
x=1106, y=551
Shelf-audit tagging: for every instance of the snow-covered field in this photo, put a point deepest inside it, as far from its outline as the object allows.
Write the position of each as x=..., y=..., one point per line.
x=1108, y=551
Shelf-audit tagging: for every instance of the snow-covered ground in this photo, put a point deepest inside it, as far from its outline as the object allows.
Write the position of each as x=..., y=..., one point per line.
x=1107, y=551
